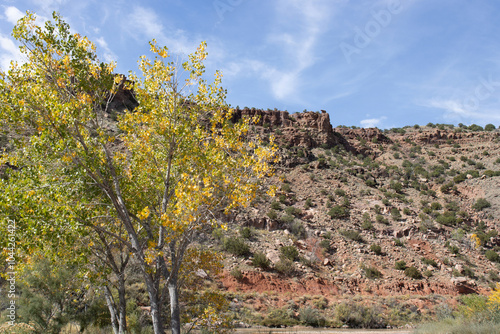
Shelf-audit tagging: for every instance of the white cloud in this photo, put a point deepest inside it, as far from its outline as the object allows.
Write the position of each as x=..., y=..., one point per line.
x=372, y=122
x=13, y=14
x=466, y=109
x=10, y=52
x=299, y=43
x=109, y=56
x=144, y=22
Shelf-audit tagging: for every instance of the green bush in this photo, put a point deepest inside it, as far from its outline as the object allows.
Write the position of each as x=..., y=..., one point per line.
x=396, y=214
x=287, y=219
x=289, y=252
x=359, y=316
x=338, y=212
x=293, y=211
x=492, y=255
x=371, y=272
x=489, y=127
x=236, y=273
x=276, y=205
x=298, y=229
x=246, y=232
x=273, y=215
x=311, y=317
x=236, y=246
x=413, y=272
x=429, y=262
x=325, y=244
x=308, y=204
x=400, y=265
x=260, y=260
x=340, y=192
x=279, y=317
x=481, y=204
x=285, y=266
x=351, y=234
x=376, y=249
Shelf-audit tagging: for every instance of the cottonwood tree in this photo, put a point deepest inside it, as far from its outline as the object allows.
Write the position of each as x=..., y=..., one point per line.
x=165, y=171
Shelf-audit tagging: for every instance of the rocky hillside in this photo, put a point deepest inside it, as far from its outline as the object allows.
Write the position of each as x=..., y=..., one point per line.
x=399, y=221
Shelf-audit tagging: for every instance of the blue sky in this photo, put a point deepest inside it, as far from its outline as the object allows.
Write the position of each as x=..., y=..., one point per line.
x=385, y=63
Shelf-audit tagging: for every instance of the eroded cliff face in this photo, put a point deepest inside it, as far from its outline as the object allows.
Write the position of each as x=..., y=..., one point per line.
x=307, y=129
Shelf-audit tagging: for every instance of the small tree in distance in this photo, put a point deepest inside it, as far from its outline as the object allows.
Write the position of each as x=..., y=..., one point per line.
x=177, y=163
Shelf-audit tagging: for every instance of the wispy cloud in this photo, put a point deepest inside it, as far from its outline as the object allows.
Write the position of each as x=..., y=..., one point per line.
x=109, y=55
x=12, y=14
x=144, y=22
x=457, y=109
x=298, y=44
x=10, y=52
x=372, y=122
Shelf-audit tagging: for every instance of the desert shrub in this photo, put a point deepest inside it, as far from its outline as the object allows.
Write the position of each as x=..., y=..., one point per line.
x=246, y=232
x=308, y=204
x=400, y=265
x=285, y=266
x=376, y=249
x=236, y=246
x=413, y=272
x=289, y=252
x=370, y=182
x=469, y=272
x=236, y=273
x=396, y=186
x=453, y=249
x=351, y=234
x=371, y=272
x=338, y=212
x=399, y=243
x=436, y=206
x=429, y=262
x=480, y=165
x=286, y=187
x=448, y=218
x=366, y=225
x=489, y=127
x=298, y=229
x=260, y=260
x=492, y=255
x=339, y=192
x=481, y=204
x=287, y=219
x=279, y=317
x=359, y=316
x=218, y=233
x=273, y=215
x=276, y=205
x=460, y=178
x=380, y=219
x=428, y=273
x=293, y=211
x=325, y=244
x=311, y=317
x=395, y=213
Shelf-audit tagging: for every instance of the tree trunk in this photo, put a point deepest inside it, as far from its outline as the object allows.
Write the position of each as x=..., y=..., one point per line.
x=112, y=309
x=122, y=306
x=175, y=321
x=154, y=302
x=118, y=314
